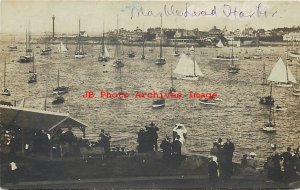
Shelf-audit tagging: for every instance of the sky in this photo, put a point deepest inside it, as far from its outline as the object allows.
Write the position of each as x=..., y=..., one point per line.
x=17, y=14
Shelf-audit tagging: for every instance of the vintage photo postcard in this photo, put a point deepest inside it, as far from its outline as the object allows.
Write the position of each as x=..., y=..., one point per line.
x=149, y=94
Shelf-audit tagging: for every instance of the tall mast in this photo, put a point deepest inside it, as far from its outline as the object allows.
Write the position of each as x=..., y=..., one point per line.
x=143, y=43
x=175, y=45
x=33, y=70
x=79, y=41
x=232, y=52
x=29, y=36
x=121, y=79
x=26, y=41
x=118, y=46
x=66, y=43
x=287, y=74
x=264, y=74
x=194, y=63
x=296, y=74
x=4, y=73
x=161, y=31
x=58, y=78
x=270, y=109
x=103, y=41
x=171, y=76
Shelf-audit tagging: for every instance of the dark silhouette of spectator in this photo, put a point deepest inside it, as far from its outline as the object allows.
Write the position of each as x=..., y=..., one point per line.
x=269, y=166
x=152, y=132
x=244, y=161
x=212, y=170
x=177, y=147
x=104, y=141
x=141, y=140
x=166, y=146
x=276, y=172
x=227, y=152
x=68, y=136
x=296, y=159
x=288, y=164
x=214, y=150
x=229, y=147
x=220, y=143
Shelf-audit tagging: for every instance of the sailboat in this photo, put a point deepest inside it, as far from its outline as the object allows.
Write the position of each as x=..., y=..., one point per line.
x=282, y=75
x=143, y=52
x=220, y=44
x=121, y=84
x=27, y=58
x=28, y=47
x=131, y=53
x=279, y=74
x=58, y=99
x=238, y=44
x=12, y=46
x=269, y=127
x=47, y=50
x=176, y=52
x=233, y=68
x=118, y=62
x=67, y=44
x=104, y=55
x=33, y=75
x=61, y=48
x=172, y=89
x=79, y=52
x=226, y=58
x=188, y=68
x=159, y=103
x=296, y=87
x=160, y=60
x=5, y=91
x=60, y=89
x=267, y=100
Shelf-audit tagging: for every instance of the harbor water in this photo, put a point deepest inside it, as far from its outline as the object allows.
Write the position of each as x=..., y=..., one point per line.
x=239, y=116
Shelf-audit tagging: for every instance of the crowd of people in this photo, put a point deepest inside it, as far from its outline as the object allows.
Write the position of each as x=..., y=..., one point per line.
x=220, y=162
x=289, y=168
x=284, y=166
x=147, y=138
x=104, y=141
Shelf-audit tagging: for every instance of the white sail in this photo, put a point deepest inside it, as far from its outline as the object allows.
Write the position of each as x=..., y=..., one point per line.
x=62, y=48
x=106, y=54
x=238, y=44
x=192, y=49
x=220, y=44
x=281, y=73
x=185, y=67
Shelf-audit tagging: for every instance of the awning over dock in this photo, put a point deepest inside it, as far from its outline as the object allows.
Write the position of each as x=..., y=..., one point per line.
x=36, y=119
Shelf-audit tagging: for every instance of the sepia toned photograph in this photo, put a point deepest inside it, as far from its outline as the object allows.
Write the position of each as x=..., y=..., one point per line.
x=149, y=94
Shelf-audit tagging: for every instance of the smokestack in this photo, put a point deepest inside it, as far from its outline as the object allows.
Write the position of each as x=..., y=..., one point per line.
x=53, y=18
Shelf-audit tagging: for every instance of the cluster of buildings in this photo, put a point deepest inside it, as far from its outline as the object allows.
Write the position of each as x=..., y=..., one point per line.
x=183, y=35
x=196, y=36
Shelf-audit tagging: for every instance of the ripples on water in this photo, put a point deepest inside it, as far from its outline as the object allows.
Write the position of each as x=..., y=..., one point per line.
x=239, y=116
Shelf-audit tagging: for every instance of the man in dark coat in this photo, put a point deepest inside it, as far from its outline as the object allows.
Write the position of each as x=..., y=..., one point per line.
x=166, y=146
x=177, y=146
x=152, y=130
x=287, y=163
x=212, y=170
